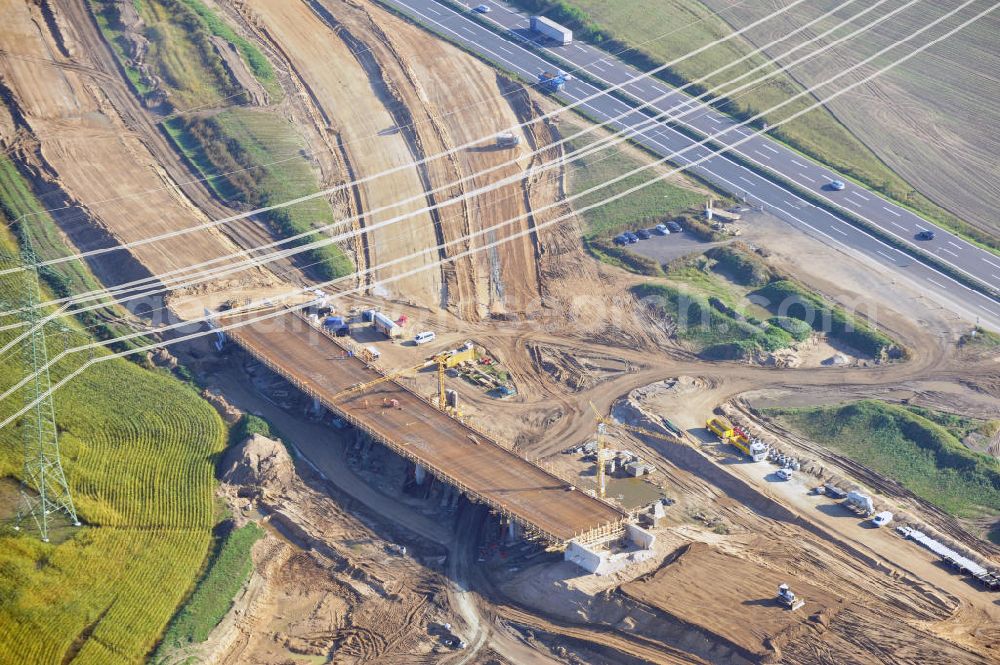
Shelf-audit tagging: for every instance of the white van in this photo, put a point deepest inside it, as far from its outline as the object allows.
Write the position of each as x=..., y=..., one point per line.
x=882, y=518
x=424, y=337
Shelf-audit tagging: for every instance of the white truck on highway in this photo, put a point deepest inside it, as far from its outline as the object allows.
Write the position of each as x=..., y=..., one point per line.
x=552, y=30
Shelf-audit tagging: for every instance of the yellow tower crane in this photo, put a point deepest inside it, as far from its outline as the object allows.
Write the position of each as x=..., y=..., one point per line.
x=603, y=422
x=368, y=385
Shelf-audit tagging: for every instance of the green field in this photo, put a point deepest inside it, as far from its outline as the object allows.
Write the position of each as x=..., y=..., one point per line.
x=249, y=157
x=138, y=451
x=215, y=592
x=646, y=207
x=648, y=34
x=917, y=447
x=181, y=54
x=261, y=155
x=712, y=328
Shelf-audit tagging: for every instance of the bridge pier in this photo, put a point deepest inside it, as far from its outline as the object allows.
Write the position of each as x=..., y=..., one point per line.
x=317, y=410
x=419, y=474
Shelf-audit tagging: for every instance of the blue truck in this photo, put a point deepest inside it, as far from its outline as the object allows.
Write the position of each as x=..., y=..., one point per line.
x=553, y=82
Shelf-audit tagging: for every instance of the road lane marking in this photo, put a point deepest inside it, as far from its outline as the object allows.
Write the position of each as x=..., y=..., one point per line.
x=861, y=196
x=852, y=202
x=834, y=228
x=879, y=251
x=799, y=164
x=995, y=265
x=899, y=226
x=934, y=281
x=803, y=175
x=942, y=249
x=507, y=51
x=751, y=182
x=767, y=147
x=955, y=244
x=887, y=209
x=580, y=48
x=758, y=152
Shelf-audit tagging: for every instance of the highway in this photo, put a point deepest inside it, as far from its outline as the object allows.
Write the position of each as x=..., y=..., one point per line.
x=464, y=457
x=513, y=52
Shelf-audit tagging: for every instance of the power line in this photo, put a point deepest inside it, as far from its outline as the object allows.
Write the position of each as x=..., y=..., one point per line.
x=518, y=234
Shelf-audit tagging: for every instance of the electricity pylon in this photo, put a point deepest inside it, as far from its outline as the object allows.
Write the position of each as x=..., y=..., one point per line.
x=44, y=491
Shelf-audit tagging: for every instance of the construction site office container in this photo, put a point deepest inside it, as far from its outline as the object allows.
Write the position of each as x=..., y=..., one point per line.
x=385, y=325
x=552, y=30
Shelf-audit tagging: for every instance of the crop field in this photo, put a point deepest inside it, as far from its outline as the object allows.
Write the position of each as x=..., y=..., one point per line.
x=137, y=449
x=841, y=136
x=919, y=448
x=931, y=120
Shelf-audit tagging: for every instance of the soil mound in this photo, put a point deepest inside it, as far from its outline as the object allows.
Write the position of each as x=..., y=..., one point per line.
x=257, y=463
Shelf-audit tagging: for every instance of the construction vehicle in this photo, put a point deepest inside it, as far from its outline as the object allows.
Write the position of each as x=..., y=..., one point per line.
x=552, y=30
x=508, y=140
x=720, y=427
x=787, y=598
x=754, y=448
x=553, y=82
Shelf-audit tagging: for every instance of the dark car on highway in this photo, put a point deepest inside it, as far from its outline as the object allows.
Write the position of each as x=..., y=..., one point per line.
x=644, y=234
x=925, y=235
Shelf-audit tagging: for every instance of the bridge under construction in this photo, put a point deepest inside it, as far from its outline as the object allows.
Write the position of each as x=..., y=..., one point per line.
x=323, y=367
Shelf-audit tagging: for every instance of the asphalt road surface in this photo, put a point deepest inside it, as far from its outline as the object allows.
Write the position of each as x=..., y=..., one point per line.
x=513, y=52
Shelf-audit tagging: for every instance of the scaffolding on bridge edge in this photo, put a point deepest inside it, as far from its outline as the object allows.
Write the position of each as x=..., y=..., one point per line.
x=585, y=536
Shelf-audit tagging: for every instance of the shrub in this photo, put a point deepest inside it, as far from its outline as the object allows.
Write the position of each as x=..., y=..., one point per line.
x=699, y=228
x=745, y=267
x=787, y=299
x=631, y=261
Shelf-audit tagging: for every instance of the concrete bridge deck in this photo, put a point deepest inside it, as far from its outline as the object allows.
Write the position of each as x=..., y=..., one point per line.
x=453, y=451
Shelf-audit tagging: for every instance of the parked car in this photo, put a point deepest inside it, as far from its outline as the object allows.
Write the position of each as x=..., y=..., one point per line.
x=784, y=474
x=424, y=337
x=837, y=185
x=482, y=9
x=631, y=237
x=621, y=240
x=662, y=229
x=644, y=234
x=925, y=235
x=674, y=227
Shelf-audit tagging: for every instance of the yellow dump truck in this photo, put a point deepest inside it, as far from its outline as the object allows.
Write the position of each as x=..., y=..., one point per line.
x=720, y=427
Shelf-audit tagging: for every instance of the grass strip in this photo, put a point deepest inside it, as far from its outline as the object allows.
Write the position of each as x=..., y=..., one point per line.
x=923, y=455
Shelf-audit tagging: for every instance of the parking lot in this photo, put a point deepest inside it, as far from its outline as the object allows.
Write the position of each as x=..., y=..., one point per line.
x=668, y=248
